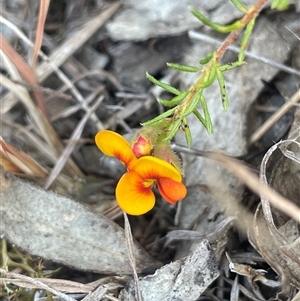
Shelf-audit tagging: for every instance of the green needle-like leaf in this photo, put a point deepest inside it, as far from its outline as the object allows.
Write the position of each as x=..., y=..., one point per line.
x=199, y=116
x=187, y=132
x=174, y=101
x=225, y=101
x=245, y=39
x=184, y=68
x=164, y=86
x=280, y=4
x=220, y=28
x=174, y=129
x=210, y=78
x=184, y=103
x=160, y=117
x=231, y=66
x=239, y=5
x=209, y=126
x=192, y=105
x=207, y=59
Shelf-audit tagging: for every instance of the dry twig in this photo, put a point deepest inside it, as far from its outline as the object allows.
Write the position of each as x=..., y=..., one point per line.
x=274, y=118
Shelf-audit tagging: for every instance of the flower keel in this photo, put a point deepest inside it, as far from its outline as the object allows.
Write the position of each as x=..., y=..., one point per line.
x=171, y=191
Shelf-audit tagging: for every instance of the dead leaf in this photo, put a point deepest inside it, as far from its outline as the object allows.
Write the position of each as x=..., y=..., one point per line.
x=57, y=228
x=184, y=279
x=275, y=235
x=200, y=216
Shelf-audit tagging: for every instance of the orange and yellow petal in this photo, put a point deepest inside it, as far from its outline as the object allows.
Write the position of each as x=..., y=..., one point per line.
x=133, y=195
x=170, y=190
x=114, y=145
x=149, y=167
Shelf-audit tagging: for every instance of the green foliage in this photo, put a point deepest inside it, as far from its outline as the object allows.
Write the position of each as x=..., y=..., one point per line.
x=232, y=65
x=192, y=100
x=183, y=68
x=280, y=4
x=196, y=97
x=240, y=6
x=174, y=101
x=245, y=39
x=164, y=86
x=12, y=258
x=207, y=59
x=187, y=132
x=160, y=117
x=220, y=28
x=225, y=101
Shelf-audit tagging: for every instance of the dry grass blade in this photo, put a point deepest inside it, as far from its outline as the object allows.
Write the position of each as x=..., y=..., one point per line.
x=24, y=134
x=41, y=123
x=129, y=243
x=16, y=161
x=274, y=118
x=24, y=96
x=61, y=54
x=75, y=108
x=38, y=284
x=264, y=201
x=44, y=5
x=25, y=71
x=290, y=154
x=254, y=183
x=66, y=286
x=71, y=145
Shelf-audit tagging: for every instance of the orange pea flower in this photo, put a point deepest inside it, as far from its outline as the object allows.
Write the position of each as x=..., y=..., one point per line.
x=134, y=190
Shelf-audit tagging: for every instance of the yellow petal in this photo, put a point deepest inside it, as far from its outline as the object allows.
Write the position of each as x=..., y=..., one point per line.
x=149, y=167
x=114, y=145
x=132, y=195
x=170, y=190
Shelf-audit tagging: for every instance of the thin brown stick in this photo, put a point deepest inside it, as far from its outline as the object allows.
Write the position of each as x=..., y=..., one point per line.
x=63, y=159
x=249, y=178
x=38, y=284
x=254, y=183
x=252, y=13
x=274, y=118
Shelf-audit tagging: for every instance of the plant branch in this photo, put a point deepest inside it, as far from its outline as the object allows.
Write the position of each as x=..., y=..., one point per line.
x=251, y=14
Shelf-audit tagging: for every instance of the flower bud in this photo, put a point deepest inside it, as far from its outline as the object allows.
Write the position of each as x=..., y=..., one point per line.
x=142, y=147
x=143, y=141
